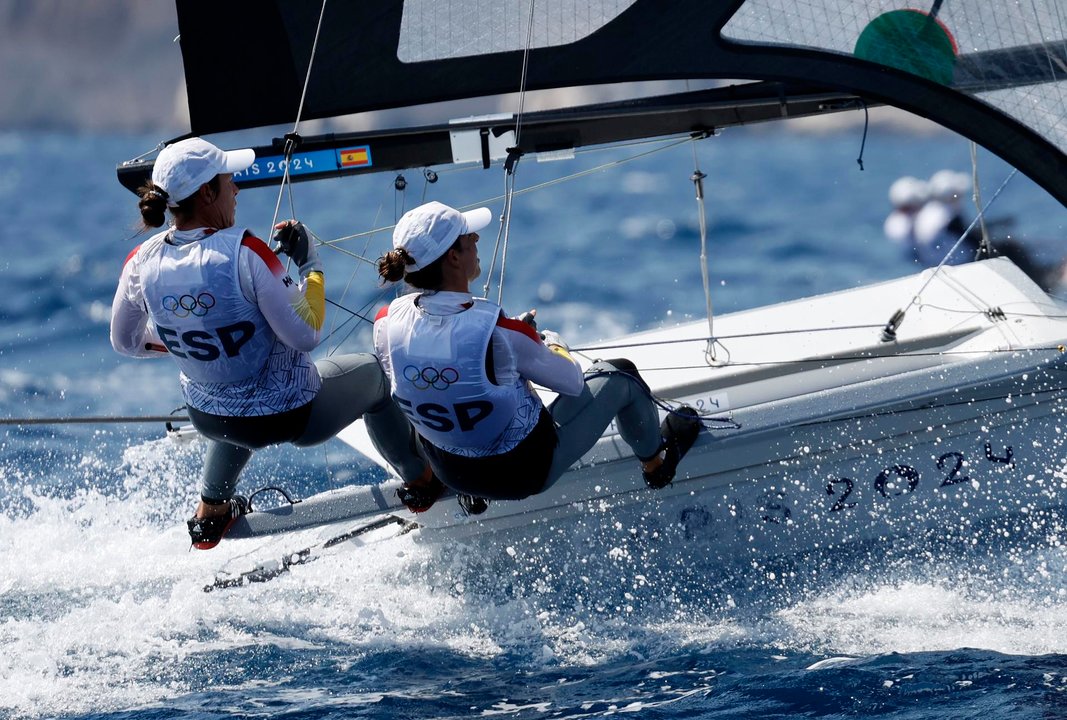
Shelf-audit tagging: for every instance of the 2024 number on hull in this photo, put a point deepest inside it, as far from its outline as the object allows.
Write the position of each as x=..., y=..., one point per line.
x=900, y=480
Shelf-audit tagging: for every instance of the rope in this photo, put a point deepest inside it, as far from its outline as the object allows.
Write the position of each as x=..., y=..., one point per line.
x=522, y=79
x=348, y=286
x=669, y=408
x=290, y=140
x=863, y=140
x=660, y=146
x=502, y=237
x=767, y=333
x=962, y=237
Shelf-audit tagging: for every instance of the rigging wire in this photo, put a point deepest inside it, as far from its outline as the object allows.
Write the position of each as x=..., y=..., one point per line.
x=159, y=146
x=698, y=183
x=93, y=420
x=660, y=145
x=292, y=138
x=510, y=165
x=348, y=286
x=889, y=332
x=986, y=246
x=840, y=359
x=665, y=145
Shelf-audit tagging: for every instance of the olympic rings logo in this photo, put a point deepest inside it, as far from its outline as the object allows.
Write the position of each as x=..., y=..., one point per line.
x=187, y=305
x=430, y=377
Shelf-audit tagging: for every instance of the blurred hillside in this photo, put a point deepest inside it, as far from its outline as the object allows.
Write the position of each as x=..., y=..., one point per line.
x=100, y=65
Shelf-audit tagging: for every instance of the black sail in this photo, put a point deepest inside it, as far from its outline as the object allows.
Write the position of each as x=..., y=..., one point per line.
x=994, y=73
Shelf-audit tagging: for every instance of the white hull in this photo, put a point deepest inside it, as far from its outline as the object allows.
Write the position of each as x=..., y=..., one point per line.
x=836, y=436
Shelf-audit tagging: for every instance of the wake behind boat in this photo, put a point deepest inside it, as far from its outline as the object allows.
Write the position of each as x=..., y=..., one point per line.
x=928, y=401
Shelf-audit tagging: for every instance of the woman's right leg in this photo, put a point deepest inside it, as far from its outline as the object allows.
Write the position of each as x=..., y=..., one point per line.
x=218, y=507
x=223, y=464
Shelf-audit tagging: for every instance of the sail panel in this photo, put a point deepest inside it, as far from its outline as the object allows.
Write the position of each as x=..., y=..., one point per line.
x=435, y=30
x=996, y=74
x=979, y=47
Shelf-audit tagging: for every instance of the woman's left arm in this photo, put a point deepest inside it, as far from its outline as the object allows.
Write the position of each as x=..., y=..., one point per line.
x=548, y=365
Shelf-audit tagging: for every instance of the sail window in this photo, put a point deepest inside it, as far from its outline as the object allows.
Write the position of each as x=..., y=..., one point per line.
x=1012, y=56
x=437, y=30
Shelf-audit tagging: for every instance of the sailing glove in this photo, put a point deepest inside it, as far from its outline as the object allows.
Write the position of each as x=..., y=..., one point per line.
x=552, y=338
x=529, y=317
x=292, y=238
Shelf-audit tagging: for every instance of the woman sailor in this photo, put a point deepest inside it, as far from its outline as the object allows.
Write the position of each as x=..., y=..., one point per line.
x=907, y=195
x=217, y=299
x=461, y=370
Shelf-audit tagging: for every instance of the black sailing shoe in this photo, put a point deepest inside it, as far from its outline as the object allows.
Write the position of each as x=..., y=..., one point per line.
x=207, y=532
x=679, y=430
x=472, y=505
x=421, y=496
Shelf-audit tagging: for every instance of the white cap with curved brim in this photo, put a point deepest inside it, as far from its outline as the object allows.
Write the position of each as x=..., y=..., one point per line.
x=949, y=185
x=908, y=192
x=181, y=168
x=428, y=231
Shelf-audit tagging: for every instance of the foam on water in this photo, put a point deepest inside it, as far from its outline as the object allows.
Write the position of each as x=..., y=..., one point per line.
x=931, y=615
x=102, y=609
x=104, y=605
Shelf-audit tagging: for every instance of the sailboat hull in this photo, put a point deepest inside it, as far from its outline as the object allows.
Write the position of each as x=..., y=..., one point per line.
x=811, y=486
x=817, y=435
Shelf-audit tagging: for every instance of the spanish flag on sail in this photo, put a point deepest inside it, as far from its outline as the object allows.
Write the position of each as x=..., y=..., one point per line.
x=355, y=157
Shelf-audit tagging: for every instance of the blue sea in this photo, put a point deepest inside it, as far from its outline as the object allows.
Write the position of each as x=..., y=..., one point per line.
x=102, y=608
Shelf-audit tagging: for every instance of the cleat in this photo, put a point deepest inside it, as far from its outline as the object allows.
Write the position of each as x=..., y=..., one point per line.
x=206, y=533
x=419, y=497
x=472, y=505
x=679, y=430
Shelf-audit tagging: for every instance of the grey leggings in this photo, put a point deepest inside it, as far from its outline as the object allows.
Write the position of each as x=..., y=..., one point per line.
x=581, y=420
x=353, y=386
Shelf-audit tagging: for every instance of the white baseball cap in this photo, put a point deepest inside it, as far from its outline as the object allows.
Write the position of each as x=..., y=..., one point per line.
x=183, y=167
x=908, y=192
x=949, y=185
x=428, y=231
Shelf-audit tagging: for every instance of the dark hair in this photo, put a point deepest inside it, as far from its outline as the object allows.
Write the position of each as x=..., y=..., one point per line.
x=153, y=203
x=393, y=267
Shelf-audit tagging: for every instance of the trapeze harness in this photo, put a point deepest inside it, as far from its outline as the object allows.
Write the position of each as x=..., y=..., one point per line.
x=491, y=440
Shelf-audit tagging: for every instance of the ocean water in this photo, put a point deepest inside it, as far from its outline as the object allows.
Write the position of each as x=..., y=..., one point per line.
x=102, y=608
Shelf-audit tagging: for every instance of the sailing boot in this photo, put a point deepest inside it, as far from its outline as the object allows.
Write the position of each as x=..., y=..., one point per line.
x=472, y=505
x=206, y=532
x=679, y=431
x=420, y=495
